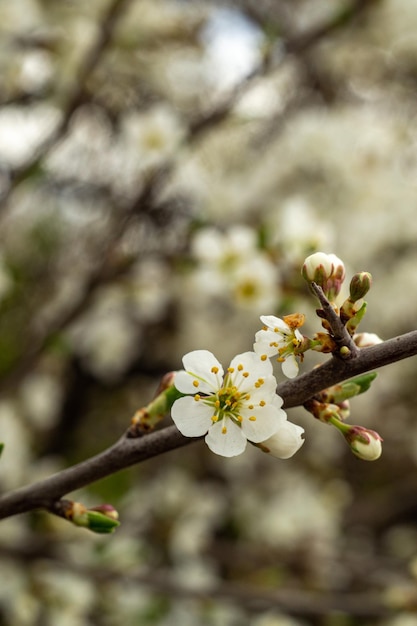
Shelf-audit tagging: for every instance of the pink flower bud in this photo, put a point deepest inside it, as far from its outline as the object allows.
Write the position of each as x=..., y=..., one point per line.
x=364, y=443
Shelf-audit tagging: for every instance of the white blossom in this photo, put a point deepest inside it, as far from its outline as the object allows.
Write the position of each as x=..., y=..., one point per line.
x=280, y=337
x=230, y=408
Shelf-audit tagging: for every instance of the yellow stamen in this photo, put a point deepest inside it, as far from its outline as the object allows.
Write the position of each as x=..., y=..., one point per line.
x=214, y=369
x=245, y=374
x=262, y=403
x=214, y=418
x=197, y=397
x=196, y=383
x=224, y=430
x=264, y=357
x=240, y=367
x=230, y=370
x=252, y=418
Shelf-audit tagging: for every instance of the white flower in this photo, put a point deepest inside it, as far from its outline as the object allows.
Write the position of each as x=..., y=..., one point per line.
x=231, y=408
x=232, y=266
x=281, y=337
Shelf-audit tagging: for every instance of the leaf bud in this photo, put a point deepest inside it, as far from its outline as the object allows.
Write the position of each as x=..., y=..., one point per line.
x=102, y=519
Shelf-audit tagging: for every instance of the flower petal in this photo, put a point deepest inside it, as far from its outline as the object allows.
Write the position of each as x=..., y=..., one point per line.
x=248, y=368
x=286, y=441
x=192, y=418
x=229, y=443
x=265, y=391
x=266, y=423
x=273, y=322
x=267, y=342
x=290, y=366
x=203, y=373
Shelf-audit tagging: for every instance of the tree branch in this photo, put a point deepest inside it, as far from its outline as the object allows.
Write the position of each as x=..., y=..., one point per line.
x=296, y=391
x=127, y=451
x=338, y=329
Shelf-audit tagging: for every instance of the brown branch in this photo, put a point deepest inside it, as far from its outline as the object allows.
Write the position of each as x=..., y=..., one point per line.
x=296, y=391
x=127, y=451
x=338, y=329
x=124, y=453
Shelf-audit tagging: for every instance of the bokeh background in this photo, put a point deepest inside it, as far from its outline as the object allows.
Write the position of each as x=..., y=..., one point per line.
x=165, y=167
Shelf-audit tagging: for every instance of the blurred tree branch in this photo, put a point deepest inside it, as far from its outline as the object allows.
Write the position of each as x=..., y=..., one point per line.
x=252, y=597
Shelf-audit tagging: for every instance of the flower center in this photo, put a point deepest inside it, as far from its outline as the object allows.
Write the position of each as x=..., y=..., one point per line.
x=227, y=402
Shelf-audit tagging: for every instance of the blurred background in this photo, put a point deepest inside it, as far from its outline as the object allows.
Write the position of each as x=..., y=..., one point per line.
x=165, y=167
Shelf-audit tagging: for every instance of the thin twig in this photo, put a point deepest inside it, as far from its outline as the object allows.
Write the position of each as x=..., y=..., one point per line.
x=338, y=329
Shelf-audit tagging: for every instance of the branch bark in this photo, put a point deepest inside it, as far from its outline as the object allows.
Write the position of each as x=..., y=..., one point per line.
x=127, y=451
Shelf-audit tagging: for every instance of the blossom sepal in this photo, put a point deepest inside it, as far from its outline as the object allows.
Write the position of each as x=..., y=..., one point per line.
x=356, y=319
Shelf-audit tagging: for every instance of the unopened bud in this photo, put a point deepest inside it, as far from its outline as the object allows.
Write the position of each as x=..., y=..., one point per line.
x=323, y=411
x=101, y=523
x=360, y=285
x=146, y=418
x=326, y=270
x=102, y=519
x=366, y=340
x=364, y=443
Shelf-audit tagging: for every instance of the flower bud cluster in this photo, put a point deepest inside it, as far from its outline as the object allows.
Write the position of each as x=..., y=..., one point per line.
x=327, y=272
x=331, y=406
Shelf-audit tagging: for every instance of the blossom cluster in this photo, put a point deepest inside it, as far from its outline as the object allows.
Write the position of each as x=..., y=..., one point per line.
x=240, y=404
